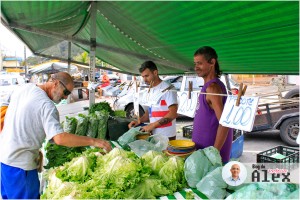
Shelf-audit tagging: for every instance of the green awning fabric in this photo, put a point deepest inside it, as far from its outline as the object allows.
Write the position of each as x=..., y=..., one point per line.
x=250, y=37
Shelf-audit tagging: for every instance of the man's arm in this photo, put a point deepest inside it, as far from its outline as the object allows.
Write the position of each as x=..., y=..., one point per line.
x=72, y=140
x=172, y=114
x=216, y=103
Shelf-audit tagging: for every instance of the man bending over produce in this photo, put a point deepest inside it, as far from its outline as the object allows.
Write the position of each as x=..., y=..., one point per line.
x=30, y=119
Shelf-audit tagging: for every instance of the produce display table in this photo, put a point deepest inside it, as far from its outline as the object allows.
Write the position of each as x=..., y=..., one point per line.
x=177, y=195
x=182, y=195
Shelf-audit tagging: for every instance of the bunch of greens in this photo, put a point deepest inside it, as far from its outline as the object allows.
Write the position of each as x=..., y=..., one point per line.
x=93, y=125
x=58, y=155
x=120, y=113
x=82, y=124
x=100, y=107
x=102, y=116
x=70, y=125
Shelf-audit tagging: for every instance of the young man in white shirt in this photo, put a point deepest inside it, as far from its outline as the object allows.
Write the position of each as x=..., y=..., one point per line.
x=162, y=116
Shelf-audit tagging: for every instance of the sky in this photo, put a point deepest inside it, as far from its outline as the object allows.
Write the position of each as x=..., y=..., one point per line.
x=11, y=45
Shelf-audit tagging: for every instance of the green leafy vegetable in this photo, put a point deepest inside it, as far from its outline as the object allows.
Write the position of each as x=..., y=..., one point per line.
x=150, y=188
x=82, y=124
x=149, y=156
x=212, y=185
x=102, y=125
x=157, y=163
x=102, y=106
x=70, y=125
x=76, y=170
x=58, y=155
x=172, y=173
x=206, y=161
x=117, y=175
x=93, y=125
x=120, y=113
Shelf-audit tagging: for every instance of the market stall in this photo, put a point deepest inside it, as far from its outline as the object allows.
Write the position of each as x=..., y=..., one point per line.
x=148, y=168
x=251, y=37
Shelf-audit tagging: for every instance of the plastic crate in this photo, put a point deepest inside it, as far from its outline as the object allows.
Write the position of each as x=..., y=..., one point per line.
x=291, y=155
x=187, y=131
x=237, y=147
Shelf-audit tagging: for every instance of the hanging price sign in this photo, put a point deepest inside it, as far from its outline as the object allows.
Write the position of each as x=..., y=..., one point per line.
x=239, y=117
x=187, y=106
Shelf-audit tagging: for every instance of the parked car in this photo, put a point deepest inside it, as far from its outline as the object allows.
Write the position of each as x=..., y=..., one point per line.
x=180, y=83
x=8, y=83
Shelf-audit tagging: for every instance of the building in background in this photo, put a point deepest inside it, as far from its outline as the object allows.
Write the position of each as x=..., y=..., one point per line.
x=12, y=64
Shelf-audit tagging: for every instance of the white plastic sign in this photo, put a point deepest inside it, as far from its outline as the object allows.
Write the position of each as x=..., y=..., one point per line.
x=239, y=117
x=187, y=106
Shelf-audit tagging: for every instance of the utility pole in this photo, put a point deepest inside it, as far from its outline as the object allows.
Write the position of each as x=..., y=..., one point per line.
x=25, y=63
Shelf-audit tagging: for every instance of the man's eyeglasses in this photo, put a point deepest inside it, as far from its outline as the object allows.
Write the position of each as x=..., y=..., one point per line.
x=66, y=91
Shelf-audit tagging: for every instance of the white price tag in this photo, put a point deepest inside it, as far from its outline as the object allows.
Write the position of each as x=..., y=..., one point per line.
x=187, y=106
x=239, y=117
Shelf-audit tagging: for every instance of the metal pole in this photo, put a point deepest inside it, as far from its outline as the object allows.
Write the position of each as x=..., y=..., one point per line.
x=227, y=82
x=69, y=57
x=93, y=45
x=69, y=67
x=25, y=64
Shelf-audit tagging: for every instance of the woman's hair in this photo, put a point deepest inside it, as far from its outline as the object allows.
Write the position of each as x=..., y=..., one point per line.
x=209, y=53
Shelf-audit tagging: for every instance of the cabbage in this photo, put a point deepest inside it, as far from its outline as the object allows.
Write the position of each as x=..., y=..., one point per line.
x=200, y=163
x=53, y=184
x=172, y=173
x=65, y=189
x=157, y=163
x=150, y=188
x=212, y=185
x=75, y=170
x=149, y=156
x=115, y=152
x=120, y=173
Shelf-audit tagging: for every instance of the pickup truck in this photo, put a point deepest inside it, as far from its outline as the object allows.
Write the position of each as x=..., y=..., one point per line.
x=280, y=115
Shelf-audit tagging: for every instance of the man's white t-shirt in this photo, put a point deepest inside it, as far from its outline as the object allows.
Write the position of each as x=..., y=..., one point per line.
x=156, y=112
x=30, y=118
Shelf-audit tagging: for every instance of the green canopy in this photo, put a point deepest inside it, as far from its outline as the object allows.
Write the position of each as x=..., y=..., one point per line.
x=250, y=37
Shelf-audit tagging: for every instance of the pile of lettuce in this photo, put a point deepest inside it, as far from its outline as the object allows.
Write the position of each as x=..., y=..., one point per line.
x=119, y=174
